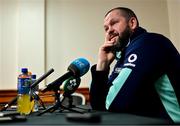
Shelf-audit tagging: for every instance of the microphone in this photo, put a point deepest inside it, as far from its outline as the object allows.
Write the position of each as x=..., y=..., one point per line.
x=32, y=86
x=71, y=85
x=41, y=78
x=77, y=68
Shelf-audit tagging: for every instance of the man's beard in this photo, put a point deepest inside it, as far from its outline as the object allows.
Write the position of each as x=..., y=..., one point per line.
x=123, y=39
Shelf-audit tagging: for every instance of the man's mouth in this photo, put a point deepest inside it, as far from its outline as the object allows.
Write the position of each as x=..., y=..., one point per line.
x=113, y=36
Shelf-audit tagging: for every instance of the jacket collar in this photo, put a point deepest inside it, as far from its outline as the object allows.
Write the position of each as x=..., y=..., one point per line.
x=138, y=31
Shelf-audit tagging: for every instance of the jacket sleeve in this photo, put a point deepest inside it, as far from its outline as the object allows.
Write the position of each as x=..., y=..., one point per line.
x=98, y=88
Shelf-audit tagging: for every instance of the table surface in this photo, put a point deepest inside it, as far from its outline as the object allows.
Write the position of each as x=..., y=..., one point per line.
x=88, y=118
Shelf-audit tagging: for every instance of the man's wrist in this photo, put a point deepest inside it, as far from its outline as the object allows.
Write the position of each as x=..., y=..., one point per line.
x=101, y=66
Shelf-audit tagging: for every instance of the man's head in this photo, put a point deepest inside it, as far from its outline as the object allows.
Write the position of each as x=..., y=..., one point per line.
x=119, y=24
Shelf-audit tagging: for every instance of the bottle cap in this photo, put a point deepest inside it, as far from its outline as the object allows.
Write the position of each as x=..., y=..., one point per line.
x=33, y=76
x=24, y=70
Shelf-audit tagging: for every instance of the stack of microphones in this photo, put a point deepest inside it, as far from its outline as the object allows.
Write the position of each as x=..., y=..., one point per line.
x=76, y=69
x=71, y=79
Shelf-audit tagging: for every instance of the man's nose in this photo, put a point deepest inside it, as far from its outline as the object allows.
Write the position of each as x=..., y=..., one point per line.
x=110, y=31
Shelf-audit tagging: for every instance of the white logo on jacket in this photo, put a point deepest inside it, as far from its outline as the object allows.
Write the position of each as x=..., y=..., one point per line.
x=132, y=58
x=117, y=70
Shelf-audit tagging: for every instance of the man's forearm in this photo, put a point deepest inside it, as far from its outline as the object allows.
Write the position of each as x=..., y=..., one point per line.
x=102, y=66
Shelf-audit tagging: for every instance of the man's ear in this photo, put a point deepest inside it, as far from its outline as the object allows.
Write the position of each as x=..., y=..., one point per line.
x=133, y=23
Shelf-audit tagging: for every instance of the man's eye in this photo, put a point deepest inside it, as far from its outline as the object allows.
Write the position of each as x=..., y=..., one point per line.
x=114, y=22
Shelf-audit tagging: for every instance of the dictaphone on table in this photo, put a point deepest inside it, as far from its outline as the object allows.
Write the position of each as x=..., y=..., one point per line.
x=86, y=117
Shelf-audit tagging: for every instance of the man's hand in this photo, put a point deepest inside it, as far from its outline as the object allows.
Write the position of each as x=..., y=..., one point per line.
x=106, y=55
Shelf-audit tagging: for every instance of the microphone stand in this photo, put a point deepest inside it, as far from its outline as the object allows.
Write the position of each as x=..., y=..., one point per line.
x=70, y=101
x=58, y=105
x=36, y=96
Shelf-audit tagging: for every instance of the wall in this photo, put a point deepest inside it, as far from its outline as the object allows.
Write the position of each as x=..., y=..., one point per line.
x=8, y=40
x=44, y=34
x=174, y=21
x=21, y=39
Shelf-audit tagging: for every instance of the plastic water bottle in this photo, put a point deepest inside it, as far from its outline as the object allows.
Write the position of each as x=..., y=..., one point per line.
x=23, y=101
x=35, y=92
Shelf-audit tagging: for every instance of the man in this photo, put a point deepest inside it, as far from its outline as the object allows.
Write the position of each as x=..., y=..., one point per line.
x=146, y=77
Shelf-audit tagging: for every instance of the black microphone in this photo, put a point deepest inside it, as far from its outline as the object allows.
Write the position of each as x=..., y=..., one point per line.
x=77, y=68
x=32, y=86
x=71, y=85
x=41, y=78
